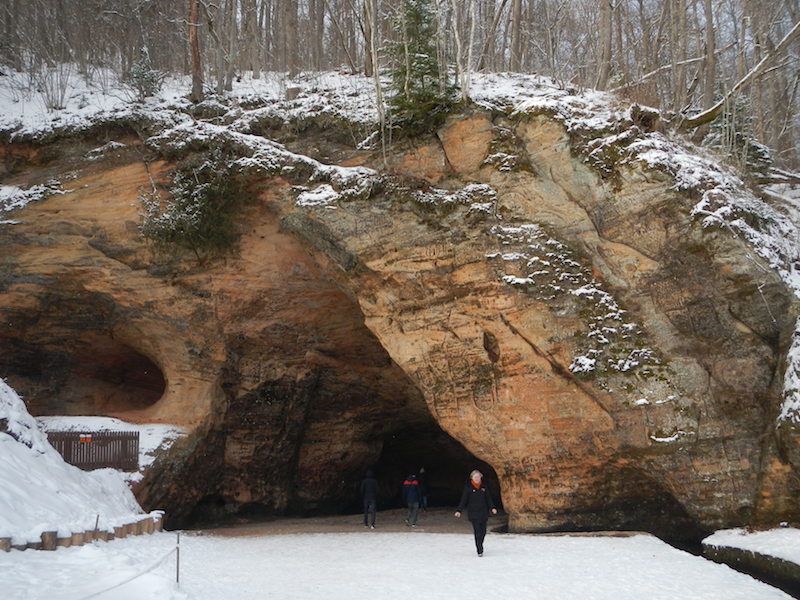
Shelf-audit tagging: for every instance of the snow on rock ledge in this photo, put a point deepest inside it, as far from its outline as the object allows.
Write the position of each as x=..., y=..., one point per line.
x=783, y=543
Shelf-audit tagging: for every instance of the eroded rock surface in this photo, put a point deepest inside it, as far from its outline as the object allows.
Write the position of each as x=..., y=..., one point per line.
x=615, y=363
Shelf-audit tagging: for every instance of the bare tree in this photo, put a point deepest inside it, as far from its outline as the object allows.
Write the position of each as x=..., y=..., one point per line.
x=710, y=87
x=516, y=38
x=605, y=44
x=194, y=50
x=714, y=111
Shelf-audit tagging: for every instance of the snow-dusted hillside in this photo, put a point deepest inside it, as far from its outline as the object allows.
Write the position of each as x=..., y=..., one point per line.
x=40, y=492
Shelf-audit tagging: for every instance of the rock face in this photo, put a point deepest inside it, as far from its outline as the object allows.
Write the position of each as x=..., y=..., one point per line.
x=290, y=396
x=613, y=362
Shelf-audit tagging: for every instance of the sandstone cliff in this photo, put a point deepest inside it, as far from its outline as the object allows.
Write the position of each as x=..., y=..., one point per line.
x=498, y=293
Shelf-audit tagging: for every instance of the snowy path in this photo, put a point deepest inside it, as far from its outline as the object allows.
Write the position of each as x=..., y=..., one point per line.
x=371, y=565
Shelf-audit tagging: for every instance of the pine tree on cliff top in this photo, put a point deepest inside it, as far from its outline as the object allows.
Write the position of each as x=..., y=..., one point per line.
x=423, y=93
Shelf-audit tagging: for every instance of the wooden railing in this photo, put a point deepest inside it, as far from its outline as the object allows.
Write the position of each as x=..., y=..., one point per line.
x=97, y=450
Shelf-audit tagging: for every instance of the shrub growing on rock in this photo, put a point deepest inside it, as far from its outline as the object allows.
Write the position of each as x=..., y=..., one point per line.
x=199, y=216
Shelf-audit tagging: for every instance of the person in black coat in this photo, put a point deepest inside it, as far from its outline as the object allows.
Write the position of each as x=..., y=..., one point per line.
x=412, y=496
x=369, y=496
x=423, y=488
x=478, y=503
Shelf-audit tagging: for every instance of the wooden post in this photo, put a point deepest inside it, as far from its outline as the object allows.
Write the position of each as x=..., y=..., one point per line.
x=119, y=532
x=64, y=542
x=77, y=539
x=49, y=540
x=5, y=544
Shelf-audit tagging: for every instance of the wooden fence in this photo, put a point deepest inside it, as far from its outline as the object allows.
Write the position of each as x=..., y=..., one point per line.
x=87, y=451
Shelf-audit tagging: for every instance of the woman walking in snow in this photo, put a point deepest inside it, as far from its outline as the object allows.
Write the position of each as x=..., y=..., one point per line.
x=478, y=503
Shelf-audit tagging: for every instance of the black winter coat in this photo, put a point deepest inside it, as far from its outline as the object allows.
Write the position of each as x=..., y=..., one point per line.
x=369, y=489
x=478, y=503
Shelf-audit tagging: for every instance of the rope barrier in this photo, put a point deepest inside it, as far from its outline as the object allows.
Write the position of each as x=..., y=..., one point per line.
x=132, y=577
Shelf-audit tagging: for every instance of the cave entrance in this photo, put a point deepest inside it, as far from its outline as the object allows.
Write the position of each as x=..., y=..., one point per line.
x=445, y=461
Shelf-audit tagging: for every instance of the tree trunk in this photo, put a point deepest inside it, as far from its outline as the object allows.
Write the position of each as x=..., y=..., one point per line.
x=319, y=36
x=290, y=25
x=487, y=59
x=605, y=44
x=233, y=39
x=368, y=27
x=194, y=50
x=710, y=86
x=516, y=38
x=253, y=41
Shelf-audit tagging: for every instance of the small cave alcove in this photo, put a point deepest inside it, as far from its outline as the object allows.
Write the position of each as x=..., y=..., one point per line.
x=93, y=374
x=630, y=499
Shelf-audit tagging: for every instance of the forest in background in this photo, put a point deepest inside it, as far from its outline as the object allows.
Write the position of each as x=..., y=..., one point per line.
x=728, y=71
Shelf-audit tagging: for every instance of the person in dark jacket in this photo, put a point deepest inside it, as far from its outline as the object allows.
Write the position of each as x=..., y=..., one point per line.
x=423, y=488
x=369, y=496
x=478, y=503
x=412, y=495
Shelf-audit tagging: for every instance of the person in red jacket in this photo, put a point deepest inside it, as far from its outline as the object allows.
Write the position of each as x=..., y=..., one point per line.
x=478, y=503
x=412, y=495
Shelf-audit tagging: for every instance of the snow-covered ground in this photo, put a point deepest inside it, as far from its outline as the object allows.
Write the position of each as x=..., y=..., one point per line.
x=153, y=437
x=372, y=565
x=783, y=543
x=40, y=492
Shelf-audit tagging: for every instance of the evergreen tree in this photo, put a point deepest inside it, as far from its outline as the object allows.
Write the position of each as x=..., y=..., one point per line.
x=144, y=79
x=423, y=92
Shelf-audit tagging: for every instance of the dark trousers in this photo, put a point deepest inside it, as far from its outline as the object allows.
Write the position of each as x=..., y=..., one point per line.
x=370, y=507
x=413, y=509
x=479, y=528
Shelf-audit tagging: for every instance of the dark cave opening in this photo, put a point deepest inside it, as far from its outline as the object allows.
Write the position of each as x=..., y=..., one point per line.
x=402, y=452
x=445, y=461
